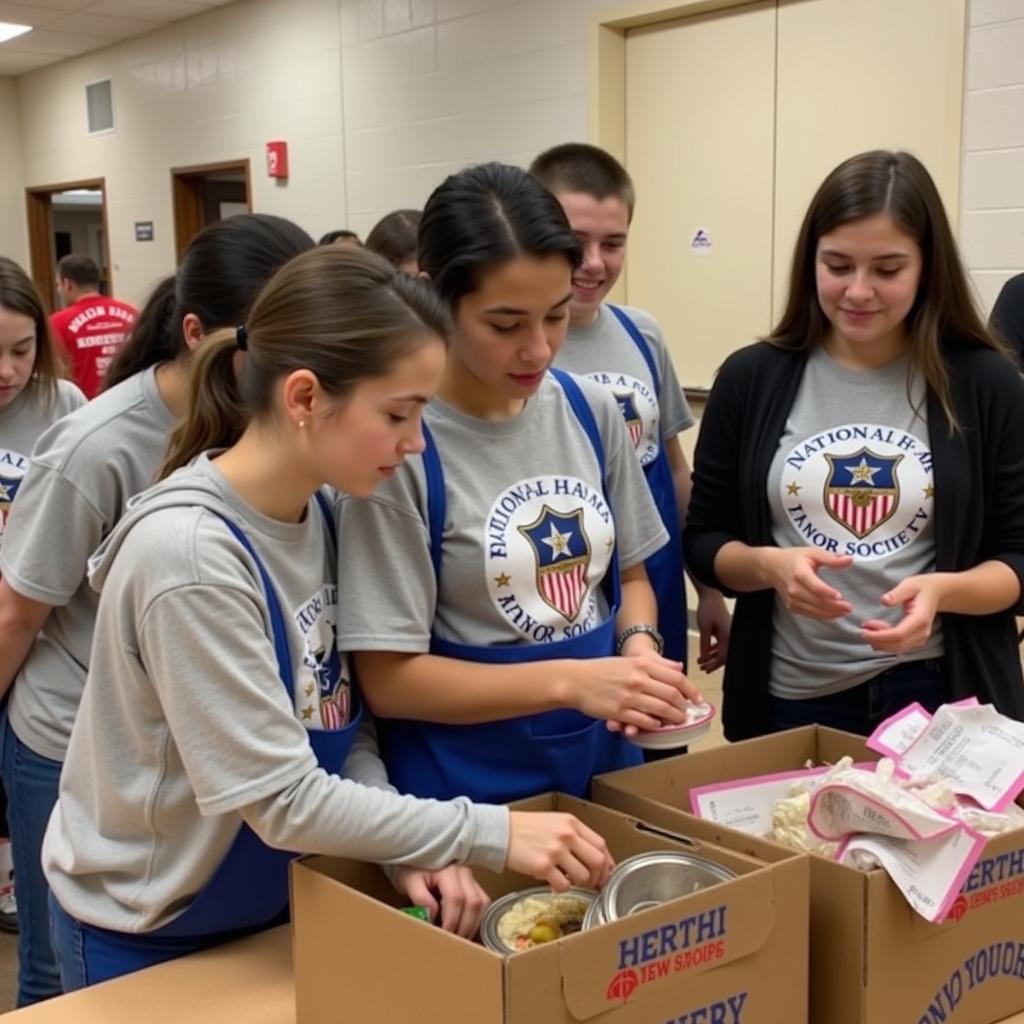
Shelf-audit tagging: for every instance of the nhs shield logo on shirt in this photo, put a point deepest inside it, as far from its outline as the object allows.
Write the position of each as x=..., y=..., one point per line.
x=859, y=489
x=12, y=471
x=548, y=542
x=640, y=409
x=630, y=413
x=322, y=693
x=562, y=550
x=862, y=490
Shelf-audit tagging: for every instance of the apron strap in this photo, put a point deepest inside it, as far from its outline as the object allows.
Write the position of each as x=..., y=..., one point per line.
x=437, y=503
x=284, y=658
x=641, y=343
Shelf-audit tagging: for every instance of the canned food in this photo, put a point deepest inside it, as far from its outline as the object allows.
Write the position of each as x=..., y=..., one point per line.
x=650, y=879
x=533, y=917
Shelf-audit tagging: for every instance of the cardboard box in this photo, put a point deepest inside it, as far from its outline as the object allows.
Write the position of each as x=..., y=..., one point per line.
x=873, y=959
x=732, y=954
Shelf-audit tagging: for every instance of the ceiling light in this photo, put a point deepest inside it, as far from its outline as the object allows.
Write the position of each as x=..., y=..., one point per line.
x=11, y=31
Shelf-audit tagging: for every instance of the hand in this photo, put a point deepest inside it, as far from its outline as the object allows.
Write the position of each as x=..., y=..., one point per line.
x=794, y=577
x=558, y=849
x=919, y=597
x=714, y=624
x=453, y=891
x=638, y=690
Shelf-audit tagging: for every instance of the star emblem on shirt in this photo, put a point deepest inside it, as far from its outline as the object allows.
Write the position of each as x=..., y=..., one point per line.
x=863, y=474
x=5, y=492
x=503, y=579
x=929, y=491
x=558, y=542
x=307, y=712
x=792, y=488
x=310, y=689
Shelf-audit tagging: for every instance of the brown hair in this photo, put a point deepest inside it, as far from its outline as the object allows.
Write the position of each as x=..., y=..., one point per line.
x=580, y=167
x=19, y=295
x=79, y=270
x=899, y=185
x=343, y=313
x=394, y=236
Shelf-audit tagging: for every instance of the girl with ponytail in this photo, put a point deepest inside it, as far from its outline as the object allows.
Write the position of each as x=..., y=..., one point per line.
x=218, y=729
x=80, y=477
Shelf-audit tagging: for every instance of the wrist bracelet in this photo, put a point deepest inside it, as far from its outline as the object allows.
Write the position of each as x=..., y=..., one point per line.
x=659, y=643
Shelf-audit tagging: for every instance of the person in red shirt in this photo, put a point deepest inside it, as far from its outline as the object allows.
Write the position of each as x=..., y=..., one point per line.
x=91, y=327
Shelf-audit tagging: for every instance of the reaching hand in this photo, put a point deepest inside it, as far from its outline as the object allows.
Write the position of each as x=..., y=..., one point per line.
x=453, y=892
x=558, y=849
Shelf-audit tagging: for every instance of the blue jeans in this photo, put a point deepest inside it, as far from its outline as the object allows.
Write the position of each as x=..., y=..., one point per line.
x=31, y=782
x=861, y=709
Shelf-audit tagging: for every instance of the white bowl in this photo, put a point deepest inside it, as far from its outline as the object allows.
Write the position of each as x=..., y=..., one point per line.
x=671, y=737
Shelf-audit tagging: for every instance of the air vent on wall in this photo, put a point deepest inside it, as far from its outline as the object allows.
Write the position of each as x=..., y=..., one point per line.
x=99, y=105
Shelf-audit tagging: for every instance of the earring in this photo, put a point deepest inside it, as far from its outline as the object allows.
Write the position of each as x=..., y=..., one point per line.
x=302, y=423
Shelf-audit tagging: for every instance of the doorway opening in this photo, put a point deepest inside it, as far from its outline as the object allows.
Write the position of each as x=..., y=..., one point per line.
x=208, y=193
x=66, y=218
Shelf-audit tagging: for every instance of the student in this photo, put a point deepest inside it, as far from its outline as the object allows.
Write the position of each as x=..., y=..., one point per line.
x=623, y=349
x=341, y=237
x=32, y=397
x=91, y=327
x=1007, y=320
x=80, y=477
x=857, y=480
x=394, y=238
x=494, y=580
x=217, y=716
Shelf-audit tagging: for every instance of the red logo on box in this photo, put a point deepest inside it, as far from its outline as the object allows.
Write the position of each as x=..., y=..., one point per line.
x=623, y=985
x=957, y=911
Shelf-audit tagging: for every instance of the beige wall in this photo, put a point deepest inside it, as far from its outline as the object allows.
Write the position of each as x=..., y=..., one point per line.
x=379, y=99
x=992, y=199
x=13, y=233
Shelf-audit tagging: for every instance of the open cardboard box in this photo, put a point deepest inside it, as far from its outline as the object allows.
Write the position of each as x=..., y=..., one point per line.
x=732, y=954
x=873, y=959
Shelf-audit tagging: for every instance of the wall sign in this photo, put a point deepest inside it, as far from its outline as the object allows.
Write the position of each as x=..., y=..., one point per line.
x=143, y=231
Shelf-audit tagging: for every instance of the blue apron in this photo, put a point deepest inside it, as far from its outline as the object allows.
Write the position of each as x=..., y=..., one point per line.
x=249, y=890
x=497, y=762
x=664, y=567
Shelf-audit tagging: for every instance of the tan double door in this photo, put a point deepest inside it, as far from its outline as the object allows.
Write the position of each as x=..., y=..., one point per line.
x=732, y=120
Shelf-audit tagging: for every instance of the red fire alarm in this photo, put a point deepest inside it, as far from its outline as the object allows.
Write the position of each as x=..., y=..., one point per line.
x=277, y=159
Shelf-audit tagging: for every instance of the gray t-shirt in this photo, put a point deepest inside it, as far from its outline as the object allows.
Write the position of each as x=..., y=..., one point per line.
x=852, y=475
x=605, y=353
x=81, y=475
x=21, y=425
x=527, y=539
x=186, y=730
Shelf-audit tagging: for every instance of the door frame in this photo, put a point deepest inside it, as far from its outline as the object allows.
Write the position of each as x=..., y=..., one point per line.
x=42, y=252
x=187, y=197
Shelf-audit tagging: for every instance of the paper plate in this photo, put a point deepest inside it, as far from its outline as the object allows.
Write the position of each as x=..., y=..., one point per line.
x=671, y=737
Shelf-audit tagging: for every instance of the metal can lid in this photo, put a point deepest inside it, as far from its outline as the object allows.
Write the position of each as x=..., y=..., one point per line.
x=650, y=879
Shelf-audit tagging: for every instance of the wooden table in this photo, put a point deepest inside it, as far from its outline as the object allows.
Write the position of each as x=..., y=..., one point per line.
x=249, y=981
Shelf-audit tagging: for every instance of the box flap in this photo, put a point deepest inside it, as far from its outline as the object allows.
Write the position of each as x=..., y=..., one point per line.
x=612, y=965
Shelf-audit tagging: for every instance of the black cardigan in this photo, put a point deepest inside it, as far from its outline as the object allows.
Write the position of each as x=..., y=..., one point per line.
x=979, y=513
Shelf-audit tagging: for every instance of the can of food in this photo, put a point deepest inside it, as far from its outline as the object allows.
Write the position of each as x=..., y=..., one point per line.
x=650, y=879
x=533, y=917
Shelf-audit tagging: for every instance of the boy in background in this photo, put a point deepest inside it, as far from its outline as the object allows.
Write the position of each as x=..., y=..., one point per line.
x=623, y=348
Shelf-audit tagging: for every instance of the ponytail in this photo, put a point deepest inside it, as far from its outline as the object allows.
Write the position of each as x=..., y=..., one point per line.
x=151, y=340
x=216, y=416
x=345, y=314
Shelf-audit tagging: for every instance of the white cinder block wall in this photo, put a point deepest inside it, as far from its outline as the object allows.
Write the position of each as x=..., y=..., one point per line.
x=13, y=229
x=379, y=99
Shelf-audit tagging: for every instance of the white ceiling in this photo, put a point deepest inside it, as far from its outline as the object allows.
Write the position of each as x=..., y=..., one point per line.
x=67, y=28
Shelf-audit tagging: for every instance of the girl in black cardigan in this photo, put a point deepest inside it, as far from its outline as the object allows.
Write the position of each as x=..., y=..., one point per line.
x=859, y=476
